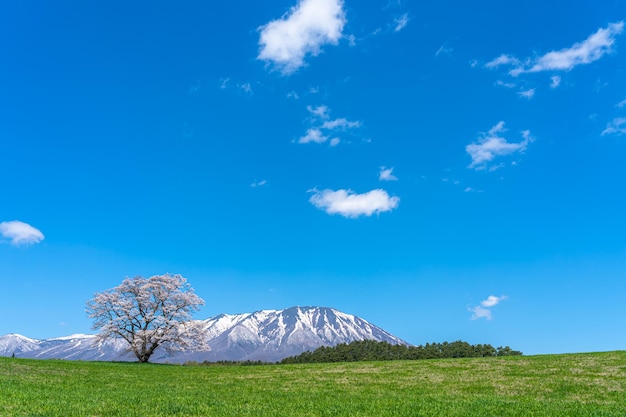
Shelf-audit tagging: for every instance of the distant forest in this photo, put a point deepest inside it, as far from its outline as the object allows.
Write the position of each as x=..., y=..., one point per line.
x=370, y=350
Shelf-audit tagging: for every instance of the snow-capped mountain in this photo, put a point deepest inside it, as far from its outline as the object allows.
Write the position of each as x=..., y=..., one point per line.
x=267, y=335
x=77, y=347
x=17, y=344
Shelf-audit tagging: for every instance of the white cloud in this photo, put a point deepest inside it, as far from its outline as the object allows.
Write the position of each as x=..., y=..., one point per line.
x=591, y=49
x=621, y=104
x=303, y=30
x=313, y=135
x=256, y=183
x=502, y=60
x=386, y=174
x=401, y=22
x=507, y=85
x=340, y=124
x=230, y=84
x=479, y=313
x=483, y=310
x=444, y=50
x=20, y=233
x=492, y=145
x=246, y=88
x=319, y=111
x=616, y=127
x=555, y=81
x=323, y=127
x=492, y=300
x=349, y=204
x=527, y=93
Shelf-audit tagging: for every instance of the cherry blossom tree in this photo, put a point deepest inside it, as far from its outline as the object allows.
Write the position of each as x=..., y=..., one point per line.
x=149, y=313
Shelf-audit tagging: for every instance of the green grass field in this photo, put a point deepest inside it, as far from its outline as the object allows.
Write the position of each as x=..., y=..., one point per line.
x=552, y=385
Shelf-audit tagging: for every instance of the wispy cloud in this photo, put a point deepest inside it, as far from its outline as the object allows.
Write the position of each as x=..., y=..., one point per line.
x=386, y=174
x=483, y=310
x=591, y=49
x=505, y=84
x=491, y=145
x=349, y=204
x=616, y=127
x=246, y=88
x=444, y=50
x=20, y=233
x=302, y=31
x=502, y=60
x=341, y=123
x=256, y=184
x=528, y=94
x=555, y=81
x=323, y=127
x=401, y=22
x=194, y=89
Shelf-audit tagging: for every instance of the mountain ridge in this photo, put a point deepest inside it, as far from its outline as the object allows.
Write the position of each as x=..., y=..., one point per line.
x=265, y=335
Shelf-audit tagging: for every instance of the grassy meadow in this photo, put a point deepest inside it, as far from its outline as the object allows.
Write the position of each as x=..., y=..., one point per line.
x=591, y=384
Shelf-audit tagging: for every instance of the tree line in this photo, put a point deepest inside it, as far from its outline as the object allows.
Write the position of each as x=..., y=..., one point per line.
x=371, y=350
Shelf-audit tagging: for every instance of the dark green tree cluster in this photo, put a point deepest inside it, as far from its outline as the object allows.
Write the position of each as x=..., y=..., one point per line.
x=370, y=350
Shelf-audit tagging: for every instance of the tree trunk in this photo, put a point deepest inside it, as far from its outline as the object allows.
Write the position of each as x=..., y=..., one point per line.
x=142, y=356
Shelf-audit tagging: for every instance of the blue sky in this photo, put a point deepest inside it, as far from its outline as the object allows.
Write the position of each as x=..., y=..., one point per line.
x=444, y=170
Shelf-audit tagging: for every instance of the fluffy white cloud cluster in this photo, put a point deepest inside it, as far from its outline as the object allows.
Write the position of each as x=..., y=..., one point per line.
x=347, y=203
x=20, y=233
x=492, y=145
x=309, y=25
